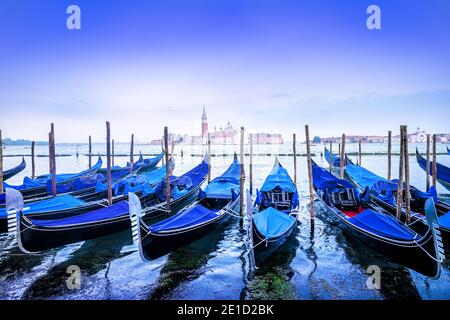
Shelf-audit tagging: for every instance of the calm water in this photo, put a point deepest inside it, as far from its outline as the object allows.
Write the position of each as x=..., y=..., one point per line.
x=319, y=264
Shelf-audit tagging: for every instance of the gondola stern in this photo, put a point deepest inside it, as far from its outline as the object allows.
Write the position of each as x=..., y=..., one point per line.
x=135, y=213
x=433, y=223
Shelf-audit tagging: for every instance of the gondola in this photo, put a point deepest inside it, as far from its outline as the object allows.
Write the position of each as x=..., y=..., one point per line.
x=376, y=228
x=442, y=172
x=35, y=235
x=40, y=186
x=384, y=192
x=334, y=159
x=7, y=174
x=274, y=213
x=67, y=205
x=81, y=184
x=219, y=200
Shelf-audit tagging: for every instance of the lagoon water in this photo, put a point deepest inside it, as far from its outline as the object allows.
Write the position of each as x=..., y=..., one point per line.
x=323, y=263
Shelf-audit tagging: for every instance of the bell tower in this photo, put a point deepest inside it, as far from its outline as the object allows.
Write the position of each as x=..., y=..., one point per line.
x=204, y=126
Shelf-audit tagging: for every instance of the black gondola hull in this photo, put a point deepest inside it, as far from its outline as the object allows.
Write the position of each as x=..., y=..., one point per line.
x=410, y=255
x=35, y=239
x=264, y=250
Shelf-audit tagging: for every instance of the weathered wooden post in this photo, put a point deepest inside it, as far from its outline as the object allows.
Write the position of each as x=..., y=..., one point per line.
x=209, y=157
x=407, y=177
x=52, y=157
x=342, y=161
x=294, y=147
x=1, y=162
x=90, y=152
x=434, y=160
x=389, y=154
x=33, y=167
x=251, y=164
x=339, y=153
x=166, y=150
x=310, y=176
x=359, y=152
x=112, y=153
x=132, y=153
x=400, y=176
x=331, y=156
x=241, y=185
x=428, y=163
x=108, y=162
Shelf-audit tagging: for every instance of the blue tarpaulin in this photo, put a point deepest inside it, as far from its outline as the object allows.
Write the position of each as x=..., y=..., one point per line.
x=381, y=187
x=444, y=220
x=57, y=203
x=324, y=180
x=221, y=187
x=382, y=225
x=184, y=183
x=335, y=158
x=278, y=178
x=43, y=180
x=117, y=210
x=185, y=219
x=272, y=223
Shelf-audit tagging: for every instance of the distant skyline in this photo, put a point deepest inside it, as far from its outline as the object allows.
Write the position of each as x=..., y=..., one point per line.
x=268, y=65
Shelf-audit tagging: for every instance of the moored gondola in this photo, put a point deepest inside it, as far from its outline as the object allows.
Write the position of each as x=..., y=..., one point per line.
x=35, y=235
x=67, y=205
x=219, y=200
x=7, y=174
x=384, y=193
x=442, y=172
x=376, y=228
x=275, y=213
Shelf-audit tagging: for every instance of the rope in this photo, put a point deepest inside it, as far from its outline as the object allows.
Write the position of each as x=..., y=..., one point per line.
x=433, y=258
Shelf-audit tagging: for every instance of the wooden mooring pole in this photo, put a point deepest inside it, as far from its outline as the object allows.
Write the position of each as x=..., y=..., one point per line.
x=342, y=161
x=132, y=153
x=209, y=157
x=434, y=161
x=166, y=150
x=242, y=179
x=400, y=176
x=33, y=166
x=52, y=157
x=251, y=164
x=294, y=147
x=112, y=153
x=90, y=152
x=108, y=161
x=389, y=154
x=407, y=177
x=359, y=152
x=331, y=156
x=428, y=163
x=1, y=162
x=310, y=176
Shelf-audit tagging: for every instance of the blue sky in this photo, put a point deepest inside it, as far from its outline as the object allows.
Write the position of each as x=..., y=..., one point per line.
x=266, y=65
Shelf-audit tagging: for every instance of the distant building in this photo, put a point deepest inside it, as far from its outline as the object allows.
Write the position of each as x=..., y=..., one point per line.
x=204, y=126
x=419, y=136
x=226, y=135
x=266, y=138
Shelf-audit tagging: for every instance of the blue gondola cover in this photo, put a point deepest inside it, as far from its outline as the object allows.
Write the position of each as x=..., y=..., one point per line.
x=187, y=218
x=272, y=223
x=383, y=225
x=117, y=210
x=222, y=187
